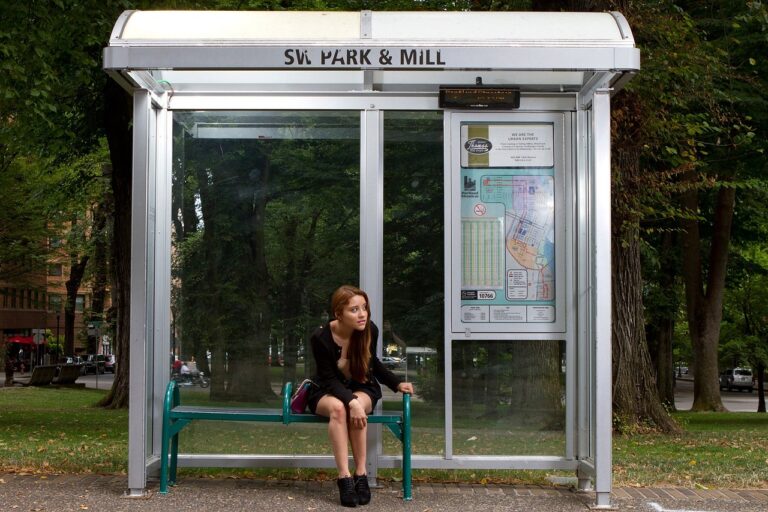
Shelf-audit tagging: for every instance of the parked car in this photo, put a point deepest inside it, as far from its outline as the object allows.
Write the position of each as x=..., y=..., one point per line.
x=391, y=362
x=736, y=378
x=109, y=363
x=94, y=363
x=74, y=360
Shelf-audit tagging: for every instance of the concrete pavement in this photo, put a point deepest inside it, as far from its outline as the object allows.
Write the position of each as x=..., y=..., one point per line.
x=65, y=493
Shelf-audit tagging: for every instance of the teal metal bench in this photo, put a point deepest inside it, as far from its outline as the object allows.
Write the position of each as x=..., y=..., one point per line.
x=177, y=416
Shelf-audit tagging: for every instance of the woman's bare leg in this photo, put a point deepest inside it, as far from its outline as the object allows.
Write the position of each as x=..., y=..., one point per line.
x=358, y=436
x=333, y=409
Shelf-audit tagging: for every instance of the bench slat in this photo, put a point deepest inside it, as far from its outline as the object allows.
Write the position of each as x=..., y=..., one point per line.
x=313, y=418
x=226, y=414
x=270, y=415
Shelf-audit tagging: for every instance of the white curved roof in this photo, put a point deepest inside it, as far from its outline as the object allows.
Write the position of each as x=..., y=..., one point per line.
x=456, y=28
x=223, y=52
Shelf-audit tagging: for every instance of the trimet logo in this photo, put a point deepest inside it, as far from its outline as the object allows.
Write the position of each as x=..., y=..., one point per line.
x=478, y=146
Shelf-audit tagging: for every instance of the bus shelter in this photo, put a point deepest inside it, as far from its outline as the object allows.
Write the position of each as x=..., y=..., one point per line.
x=455, y=165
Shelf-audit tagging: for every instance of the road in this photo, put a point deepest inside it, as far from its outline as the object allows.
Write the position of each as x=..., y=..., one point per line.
x=103, y=381
x=734, y=401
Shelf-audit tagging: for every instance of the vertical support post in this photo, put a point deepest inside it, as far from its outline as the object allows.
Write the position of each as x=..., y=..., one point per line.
x=448, y=206
x=601, y=278
x=137, y=400
x=372, y=243
x=583, y=183
x=162, y=269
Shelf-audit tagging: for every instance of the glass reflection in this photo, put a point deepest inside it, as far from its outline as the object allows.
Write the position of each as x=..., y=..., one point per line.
x=509, y=397
x=413, y=270
x=265, y=226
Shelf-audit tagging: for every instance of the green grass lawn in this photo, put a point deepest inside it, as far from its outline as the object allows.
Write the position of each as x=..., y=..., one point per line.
x=60, y=431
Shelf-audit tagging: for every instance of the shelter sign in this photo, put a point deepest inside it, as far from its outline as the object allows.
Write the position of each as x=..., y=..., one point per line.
x=507, y=230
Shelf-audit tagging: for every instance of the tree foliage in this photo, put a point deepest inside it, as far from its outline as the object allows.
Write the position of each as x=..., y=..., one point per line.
x=694, y=137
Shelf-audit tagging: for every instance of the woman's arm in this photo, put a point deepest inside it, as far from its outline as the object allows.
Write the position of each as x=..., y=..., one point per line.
x=381, y=372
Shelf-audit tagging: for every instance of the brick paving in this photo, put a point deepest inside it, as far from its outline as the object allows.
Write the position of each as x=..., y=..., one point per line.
x=61, y=493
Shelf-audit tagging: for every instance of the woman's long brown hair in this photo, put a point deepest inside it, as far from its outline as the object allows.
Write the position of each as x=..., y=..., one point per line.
x=359, y=350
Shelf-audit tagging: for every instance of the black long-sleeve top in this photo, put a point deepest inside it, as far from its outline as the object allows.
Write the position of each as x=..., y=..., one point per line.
x=331, y=380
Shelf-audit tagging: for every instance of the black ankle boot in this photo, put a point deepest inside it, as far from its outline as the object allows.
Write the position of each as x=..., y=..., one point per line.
x=347, y=493
x=363, y=491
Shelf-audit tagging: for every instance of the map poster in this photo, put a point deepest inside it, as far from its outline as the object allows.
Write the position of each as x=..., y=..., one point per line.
x=507, y=231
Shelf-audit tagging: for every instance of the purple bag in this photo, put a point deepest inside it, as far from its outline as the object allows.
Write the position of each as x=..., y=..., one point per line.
x=299, y=398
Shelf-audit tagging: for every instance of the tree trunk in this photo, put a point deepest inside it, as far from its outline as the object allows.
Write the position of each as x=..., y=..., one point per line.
x=99, y=262
x=664, y=365
x=636, y=402
x=76, y=272
x=118, y=117
x=298, y=274
x=662, y=328
x=760, y=370
x=251, y=380
x=492, y=381
x=635, y=398
x=705, y=307
x=537, y=399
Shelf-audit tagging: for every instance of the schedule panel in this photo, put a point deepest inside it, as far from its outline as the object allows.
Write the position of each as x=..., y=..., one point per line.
x=507, y=223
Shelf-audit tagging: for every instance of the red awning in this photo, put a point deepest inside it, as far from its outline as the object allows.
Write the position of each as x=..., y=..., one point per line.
x=22, y=340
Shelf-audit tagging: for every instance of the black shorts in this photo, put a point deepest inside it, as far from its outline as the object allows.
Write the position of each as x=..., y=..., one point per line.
x=372, y=389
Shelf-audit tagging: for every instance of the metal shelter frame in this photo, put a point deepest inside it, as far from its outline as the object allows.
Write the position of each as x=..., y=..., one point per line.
x=372, y=62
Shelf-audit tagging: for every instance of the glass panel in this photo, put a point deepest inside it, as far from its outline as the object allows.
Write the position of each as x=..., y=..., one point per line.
x=54, y=302
x=265, y=227
x=413, y=271
x=509, y=397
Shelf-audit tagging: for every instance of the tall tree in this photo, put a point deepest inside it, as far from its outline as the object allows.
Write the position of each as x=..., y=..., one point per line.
x=52, y=84
x=635, y=398
x=726, y=151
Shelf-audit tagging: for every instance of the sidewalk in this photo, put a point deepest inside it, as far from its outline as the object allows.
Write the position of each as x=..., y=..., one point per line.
x=75, y=493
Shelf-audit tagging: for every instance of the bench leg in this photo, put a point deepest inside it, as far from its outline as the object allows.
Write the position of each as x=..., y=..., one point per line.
x=164, y=458
x=407, y=489
x=174, y=458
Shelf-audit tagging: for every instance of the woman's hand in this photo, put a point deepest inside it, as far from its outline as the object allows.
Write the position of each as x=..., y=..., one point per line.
x=357, y=416
x=405, y=387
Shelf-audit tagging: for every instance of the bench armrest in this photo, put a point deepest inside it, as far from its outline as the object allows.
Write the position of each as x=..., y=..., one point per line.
x=287, y=391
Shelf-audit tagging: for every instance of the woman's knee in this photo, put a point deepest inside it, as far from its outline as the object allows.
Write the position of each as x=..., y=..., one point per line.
x=365, y=401
x=337, y=411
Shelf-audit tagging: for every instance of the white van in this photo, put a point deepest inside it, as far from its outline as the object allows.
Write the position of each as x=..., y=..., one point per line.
x=736, y=378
